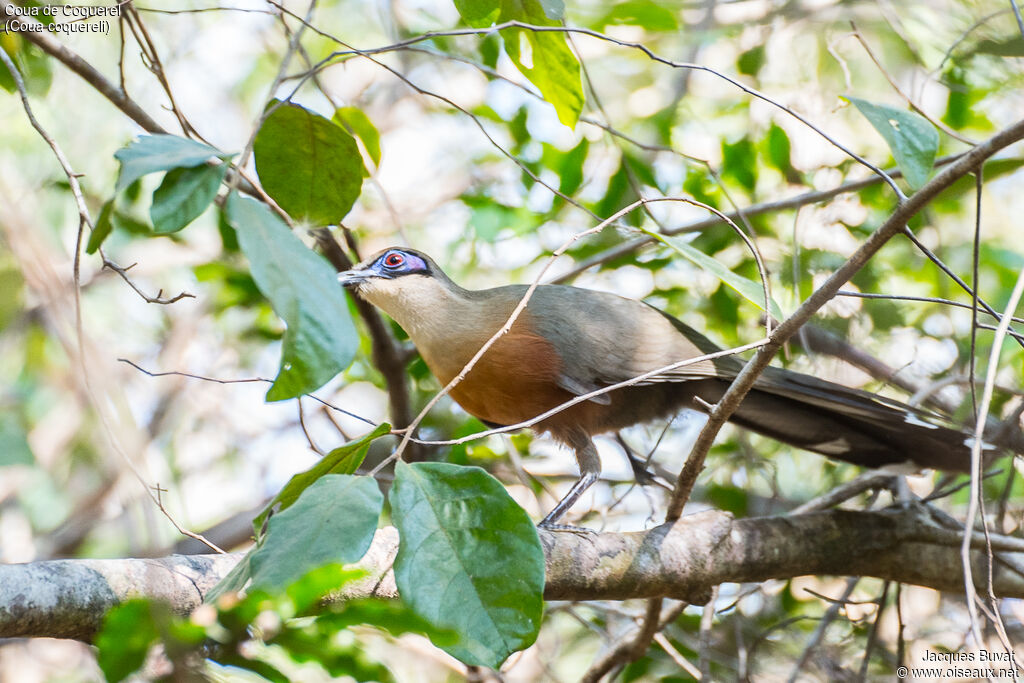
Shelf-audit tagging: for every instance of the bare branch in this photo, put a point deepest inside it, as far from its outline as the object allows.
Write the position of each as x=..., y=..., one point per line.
x=893, y=225
x=684, y=560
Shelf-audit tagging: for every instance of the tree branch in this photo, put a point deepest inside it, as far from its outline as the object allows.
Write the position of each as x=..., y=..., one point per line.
x=684, y=560
x=896, y=223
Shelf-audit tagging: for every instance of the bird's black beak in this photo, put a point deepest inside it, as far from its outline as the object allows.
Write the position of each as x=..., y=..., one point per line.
x=351, y=279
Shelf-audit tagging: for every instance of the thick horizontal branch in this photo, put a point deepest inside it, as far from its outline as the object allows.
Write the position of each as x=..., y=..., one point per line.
x=67, y=598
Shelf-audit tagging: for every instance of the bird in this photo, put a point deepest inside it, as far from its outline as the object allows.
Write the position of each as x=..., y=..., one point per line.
x=570, y=341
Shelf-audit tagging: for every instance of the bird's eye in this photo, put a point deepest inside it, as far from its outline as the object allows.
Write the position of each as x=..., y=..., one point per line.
x=394, y=260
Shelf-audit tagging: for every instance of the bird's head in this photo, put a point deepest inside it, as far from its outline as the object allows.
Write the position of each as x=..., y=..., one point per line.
x=403, y=282
x=389, y=264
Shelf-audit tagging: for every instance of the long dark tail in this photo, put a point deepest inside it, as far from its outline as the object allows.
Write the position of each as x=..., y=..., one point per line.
x=851, y=425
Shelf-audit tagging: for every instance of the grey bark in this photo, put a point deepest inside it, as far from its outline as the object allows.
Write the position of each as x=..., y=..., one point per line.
x=67, y=598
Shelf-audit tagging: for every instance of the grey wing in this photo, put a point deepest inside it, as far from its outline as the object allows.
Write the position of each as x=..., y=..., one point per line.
x=605, y=339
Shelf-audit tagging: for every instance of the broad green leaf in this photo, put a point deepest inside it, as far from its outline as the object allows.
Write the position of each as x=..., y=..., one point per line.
x=749, y=63
x=650, y=15
x=332, y=521
x=912, y=139
x=739, y=162
x=233, y=582
x=478, y=13
x=469, y=559
x=553, y=9
x=303, y=290
x=570, y=171
x=359, y=124
x=152, y=153
x=32, y=63
x=14, y=448
x=748, y=289
x=12, y=284
x=551, y=65
x=183, y=195
x=1010, y=47
x=128, y=632
x=309, y=165
x=102, y=229
x=394, y=616
x=778, y=149
x=490, y=50
x=340, y=658
x=619, y=193
x=308, y=592
x=342, y=460
x=959, y=100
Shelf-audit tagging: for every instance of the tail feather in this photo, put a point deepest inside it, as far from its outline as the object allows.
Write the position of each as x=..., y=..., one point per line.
x=851, y=425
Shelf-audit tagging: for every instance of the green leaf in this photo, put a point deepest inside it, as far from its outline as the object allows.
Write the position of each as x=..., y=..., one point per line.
x=392, y=615
x=152, y=153
x=32, y=63
x=551, y=65
x=739, y=162
x=14, y=448
x=309, y=591
x=570, y=171
x=342, y=460
x=102, y=229
x=129, y=631
x=912, y=139
x=469, y=559
x=619, y=192
x=183, y=195
x=478, y=13
x=12, y=284
x=748, y=289
x=650, y=15
x=303, y=289
x=553, y=9
x=778, y=148
x=233, y=582
x=490, y=49
x=357, y=123
x=332, y=521
x=489, y=218
x=1010, y=47
x=750, y=62
x=309, y=165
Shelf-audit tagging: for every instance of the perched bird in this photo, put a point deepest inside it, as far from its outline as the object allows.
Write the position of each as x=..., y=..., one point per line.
x=570, y=341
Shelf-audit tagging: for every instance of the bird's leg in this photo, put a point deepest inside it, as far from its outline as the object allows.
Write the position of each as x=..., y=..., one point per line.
x=590, y=469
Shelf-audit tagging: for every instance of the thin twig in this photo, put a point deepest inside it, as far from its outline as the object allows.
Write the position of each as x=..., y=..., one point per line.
x=627, y=44
x=899, y=91
x=182, y=530
x=158, y=299
x=707, y=619
x=795, y=202
x=896, y=222
x=979, y=430
x=873, y=634
x=244, y=380
x=831, y=614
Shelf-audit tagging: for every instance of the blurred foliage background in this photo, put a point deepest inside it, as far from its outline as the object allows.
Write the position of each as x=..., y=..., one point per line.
x=469, y=156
